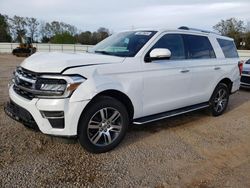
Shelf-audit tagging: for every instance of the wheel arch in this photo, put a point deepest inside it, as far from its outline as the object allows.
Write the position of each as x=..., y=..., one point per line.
x=120, y=96
x=228, y=82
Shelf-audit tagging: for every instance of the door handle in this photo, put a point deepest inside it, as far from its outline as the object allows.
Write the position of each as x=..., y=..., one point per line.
x=185, y=71
x=217, y=68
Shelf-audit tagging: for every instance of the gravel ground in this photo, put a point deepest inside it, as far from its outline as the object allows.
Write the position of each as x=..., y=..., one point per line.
x=192, y=150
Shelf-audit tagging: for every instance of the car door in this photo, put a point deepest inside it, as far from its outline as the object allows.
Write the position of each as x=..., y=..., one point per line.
x=203, y=65
x=166, y=82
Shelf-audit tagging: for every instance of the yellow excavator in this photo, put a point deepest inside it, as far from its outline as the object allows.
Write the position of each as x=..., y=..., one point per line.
x=25, y=48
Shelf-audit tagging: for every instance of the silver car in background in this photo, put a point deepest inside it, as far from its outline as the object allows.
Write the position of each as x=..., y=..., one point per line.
x=245, y=77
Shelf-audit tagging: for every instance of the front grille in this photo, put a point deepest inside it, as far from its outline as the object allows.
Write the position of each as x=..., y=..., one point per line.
x=26, y=73
x=245, y=79
x=24, y=79
x=25, y=83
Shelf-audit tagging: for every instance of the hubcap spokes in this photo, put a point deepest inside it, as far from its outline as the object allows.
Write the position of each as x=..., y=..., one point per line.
x=104, y=126
x=220, y=100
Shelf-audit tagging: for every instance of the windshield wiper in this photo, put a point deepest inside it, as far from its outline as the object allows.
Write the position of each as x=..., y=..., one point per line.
x=108, y=53
x=103, y=52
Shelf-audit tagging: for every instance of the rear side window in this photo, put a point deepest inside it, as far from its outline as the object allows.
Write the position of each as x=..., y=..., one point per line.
x=198, y=47
x=228, y=47
x=174, y=43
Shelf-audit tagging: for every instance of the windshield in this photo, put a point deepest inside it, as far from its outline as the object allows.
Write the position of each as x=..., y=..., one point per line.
x=125, y=44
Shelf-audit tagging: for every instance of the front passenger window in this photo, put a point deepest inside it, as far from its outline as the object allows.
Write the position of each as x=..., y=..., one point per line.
x=174, y=43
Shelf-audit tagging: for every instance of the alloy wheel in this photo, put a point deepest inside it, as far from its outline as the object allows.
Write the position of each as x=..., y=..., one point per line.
x=104, y=126
x=220, y=100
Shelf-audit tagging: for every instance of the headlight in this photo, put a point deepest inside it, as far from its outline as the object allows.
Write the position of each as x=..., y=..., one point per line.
x=30, y=84
x=54, y=85
x=58, y=86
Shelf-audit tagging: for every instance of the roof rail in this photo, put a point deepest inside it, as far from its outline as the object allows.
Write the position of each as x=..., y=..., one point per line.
x=194, y=29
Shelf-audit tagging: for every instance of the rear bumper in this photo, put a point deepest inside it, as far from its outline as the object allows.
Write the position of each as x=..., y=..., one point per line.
x=35, y=109
x=235, y=85
x=245, y=85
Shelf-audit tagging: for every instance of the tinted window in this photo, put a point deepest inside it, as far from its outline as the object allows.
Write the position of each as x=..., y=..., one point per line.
x=248, y=61
x=228, y=48
x=198, y=47
x=174, y=43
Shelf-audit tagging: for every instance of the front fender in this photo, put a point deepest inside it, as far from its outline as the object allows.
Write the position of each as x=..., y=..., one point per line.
x=91, y=87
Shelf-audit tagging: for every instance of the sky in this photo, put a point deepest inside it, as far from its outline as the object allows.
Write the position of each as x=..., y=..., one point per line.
x=130, y=14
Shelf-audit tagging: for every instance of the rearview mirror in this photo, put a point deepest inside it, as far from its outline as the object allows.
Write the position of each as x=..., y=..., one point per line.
x=159, y=54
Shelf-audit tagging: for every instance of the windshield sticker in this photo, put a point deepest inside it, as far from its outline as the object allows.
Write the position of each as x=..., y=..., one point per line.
x=147, y=33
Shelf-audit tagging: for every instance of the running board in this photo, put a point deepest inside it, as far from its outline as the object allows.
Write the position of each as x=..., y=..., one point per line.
x=164, y=115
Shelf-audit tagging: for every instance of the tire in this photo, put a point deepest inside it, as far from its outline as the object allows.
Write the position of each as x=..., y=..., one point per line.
x=219, y=99
x=103, y=125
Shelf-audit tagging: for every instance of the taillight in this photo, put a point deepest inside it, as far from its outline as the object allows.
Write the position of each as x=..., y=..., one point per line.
x=240, y=65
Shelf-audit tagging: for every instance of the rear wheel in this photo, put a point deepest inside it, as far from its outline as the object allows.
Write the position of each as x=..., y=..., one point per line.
x=219, y=99
x=103, y=125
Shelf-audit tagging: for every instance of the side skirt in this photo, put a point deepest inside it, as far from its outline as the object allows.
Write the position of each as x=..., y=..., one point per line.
x=164, y=115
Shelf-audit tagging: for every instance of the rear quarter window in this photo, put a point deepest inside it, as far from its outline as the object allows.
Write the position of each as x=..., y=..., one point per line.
x=228, y=47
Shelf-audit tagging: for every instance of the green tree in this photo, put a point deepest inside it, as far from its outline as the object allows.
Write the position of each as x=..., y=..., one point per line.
x=63, y=38
x=94, y=38
x=102, y=33
x=45, y=39
x=247, y=41
x=4, y=30
x=50, y=31
x=84, y=37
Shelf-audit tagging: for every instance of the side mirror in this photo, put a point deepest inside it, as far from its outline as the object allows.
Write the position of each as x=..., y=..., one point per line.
x=159, y=54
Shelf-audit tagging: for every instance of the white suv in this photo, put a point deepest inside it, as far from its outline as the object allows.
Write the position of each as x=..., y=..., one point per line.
x=131, y=77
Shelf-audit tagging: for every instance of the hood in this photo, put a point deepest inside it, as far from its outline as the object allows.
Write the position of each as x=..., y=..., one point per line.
x=56, y=62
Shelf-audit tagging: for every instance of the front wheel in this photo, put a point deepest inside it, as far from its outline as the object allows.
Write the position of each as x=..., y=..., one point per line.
x=103, y=125
x=219, y=99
